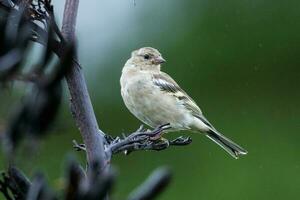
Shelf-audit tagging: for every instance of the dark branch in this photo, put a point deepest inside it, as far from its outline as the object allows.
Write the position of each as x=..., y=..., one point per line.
x=141, y=139
x=81, y=106
x=153, y=186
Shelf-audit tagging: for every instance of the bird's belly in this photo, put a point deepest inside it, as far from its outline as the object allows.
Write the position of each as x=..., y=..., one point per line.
x=154, y=107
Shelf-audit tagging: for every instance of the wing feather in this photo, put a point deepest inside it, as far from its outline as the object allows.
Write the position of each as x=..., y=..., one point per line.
x=168, y=85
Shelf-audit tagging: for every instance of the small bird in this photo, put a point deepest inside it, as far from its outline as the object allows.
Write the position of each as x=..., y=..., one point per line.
x=156, y=99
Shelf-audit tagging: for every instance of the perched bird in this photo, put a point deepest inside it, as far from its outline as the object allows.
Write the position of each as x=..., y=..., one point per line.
x=155, y=99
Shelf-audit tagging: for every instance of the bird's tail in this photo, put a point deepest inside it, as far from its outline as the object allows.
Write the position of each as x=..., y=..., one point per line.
x=232, y=148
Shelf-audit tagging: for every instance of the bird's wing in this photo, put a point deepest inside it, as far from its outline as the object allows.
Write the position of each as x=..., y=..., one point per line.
x=169, y=86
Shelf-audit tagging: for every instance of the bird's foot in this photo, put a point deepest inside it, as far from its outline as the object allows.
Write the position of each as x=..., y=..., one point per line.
x=157, y=133
x=160, y=144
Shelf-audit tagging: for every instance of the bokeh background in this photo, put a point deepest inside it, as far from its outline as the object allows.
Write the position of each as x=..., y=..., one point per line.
x=238, y=59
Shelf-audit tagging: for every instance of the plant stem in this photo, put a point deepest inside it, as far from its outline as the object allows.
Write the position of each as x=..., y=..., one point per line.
x=81, y=105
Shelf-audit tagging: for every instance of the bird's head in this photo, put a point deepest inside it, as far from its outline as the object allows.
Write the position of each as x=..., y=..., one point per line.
x=146, y=58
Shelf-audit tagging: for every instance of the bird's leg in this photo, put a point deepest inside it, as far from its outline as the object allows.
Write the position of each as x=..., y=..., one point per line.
x=159, y=143
x=157, y=137
x=157, y=133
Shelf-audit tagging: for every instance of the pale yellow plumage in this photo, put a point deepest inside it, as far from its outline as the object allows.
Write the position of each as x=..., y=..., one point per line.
x=156, y=99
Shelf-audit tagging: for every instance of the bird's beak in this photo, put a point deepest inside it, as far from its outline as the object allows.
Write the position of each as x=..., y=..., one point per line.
x=158, y=60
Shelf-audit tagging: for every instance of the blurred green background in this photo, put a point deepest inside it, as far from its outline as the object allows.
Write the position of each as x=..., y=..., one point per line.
x=238, y=59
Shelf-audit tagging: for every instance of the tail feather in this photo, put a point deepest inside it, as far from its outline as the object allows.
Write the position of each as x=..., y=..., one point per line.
x=229, y=146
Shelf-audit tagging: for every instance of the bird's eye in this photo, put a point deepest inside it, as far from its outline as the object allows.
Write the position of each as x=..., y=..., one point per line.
x=146, y=56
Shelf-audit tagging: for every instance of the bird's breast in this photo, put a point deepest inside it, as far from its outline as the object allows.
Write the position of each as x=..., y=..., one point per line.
x=151, y=105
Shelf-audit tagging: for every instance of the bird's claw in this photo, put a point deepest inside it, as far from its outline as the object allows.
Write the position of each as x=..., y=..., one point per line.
x=160, y=144
x=158, y=131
